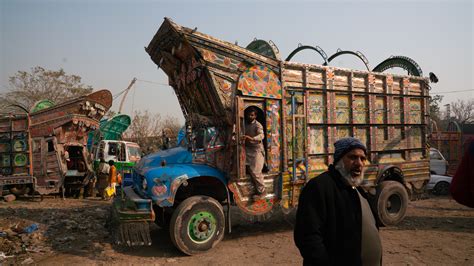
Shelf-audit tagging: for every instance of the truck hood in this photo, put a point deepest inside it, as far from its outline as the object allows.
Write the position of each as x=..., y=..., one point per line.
x=177, y=155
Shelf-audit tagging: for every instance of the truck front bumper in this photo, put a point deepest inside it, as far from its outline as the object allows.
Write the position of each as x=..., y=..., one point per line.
x=130, y=219
x=132, y=207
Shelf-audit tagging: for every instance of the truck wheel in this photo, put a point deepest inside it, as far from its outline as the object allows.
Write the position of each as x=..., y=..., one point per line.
x=392, y=202
x=197, y=225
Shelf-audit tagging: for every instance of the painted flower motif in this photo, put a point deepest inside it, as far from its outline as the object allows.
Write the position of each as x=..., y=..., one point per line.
x=159, y=190
x=226, y=61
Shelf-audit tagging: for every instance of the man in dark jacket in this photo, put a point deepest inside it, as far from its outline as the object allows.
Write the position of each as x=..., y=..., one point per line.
x=334, y=222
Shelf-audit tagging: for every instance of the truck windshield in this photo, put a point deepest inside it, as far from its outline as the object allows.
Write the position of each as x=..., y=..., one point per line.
x=202, y=138
x=134, y=153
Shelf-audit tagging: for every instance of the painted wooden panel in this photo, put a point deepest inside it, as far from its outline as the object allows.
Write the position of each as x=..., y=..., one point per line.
x=316, y=108
x=342, y=109
x=316, y=140
x=380, y=110
x=397, y=110
x=359, y=81
x=315, y=78
x=273, y=135
x=260, y=81
x=415, y=111
x=379, y=84
x=341, y=78
x=415, y=137
x=292, y=75
x=343, y=132
x=362, y=134
x=360, y=109
x=317, y=163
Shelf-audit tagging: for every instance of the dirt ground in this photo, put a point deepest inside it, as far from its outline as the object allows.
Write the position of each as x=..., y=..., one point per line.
x=436, y=231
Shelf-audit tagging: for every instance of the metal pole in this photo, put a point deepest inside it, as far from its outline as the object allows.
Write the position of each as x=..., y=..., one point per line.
x=125, y=95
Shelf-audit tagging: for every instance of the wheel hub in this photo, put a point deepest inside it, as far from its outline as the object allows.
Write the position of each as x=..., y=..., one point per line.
x=202, y=226
x=394, y=204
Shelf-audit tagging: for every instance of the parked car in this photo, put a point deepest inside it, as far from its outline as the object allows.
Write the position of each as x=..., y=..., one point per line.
x=439, y=184
x=438, y=165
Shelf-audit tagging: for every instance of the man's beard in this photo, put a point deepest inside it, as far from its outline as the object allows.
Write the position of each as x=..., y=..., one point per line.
x=346, y=174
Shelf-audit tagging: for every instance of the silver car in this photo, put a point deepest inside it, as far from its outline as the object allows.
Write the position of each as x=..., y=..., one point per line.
x=439, y=184
x=438, y=165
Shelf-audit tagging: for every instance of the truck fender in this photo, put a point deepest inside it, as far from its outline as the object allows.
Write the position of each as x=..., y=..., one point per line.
x=390, y=172
x=195, y=171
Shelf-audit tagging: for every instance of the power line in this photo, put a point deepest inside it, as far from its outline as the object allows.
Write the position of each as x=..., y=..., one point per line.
x=154, y=82
x=444, y=92
x=146, y=81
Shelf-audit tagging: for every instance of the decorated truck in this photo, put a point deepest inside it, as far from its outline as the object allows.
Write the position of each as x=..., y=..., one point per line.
x=304, y=109
x=106, y=143
x=44, y=151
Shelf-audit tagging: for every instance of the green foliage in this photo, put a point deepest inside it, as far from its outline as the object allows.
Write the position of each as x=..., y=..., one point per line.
x=26, y=88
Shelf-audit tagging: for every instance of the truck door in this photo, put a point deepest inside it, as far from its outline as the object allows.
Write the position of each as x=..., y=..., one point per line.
x=239, y=133
x=242, y=184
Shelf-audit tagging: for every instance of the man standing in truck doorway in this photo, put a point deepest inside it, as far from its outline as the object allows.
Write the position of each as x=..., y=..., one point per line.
x=334, y=222
x=254, y=152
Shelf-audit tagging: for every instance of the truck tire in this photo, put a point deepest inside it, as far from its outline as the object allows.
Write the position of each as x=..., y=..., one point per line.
x=392, y=202
x=197, y=225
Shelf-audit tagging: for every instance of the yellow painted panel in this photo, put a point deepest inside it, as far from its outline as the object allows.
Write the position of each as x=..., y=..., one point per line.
x=316, y=108
x=316, y=140
x=380, y=109
x=342, y=108
x=360, y=110
x=415, y=111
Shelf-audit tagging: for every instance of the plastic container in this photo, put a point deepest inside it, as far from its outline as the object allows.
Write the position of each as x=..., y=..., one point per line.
x=30, y=229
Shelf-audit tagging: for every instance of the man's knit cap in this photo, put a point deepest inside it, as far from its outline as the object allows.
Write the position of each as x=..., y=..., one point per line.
x=345, y=145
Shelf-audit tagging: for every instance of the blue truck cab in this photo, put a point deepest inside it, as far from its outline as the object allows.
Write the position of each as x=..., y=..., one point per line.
x=167, y=179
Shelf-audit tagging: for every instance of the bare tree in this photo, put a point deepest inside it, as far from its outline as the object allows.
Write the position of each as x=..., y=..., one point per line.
x=463, y=111
x=144, y=125
x=151, y=130
x=26, y=88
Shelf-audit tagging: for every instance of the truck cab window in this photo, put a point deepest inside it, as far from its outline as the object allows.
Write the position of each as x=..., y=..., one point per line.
x=112, y=149
x=200, y=139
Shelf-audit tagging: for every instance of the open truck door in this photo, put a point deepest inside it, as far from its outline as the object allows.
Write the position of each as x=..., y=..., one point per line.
x=242, y=185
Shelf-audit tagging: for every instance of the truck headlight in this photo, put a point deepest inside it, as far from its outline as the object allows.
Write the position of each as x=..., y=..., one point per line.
x=144, y=184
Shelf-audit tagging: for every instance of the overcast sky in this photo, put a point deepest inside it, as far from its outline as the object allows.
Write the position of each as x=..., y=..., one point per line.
x=103, y=41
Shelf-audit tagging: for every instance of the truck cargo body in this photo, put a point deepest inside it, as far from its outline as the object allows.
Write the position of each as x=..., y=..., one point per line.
x=56, y=139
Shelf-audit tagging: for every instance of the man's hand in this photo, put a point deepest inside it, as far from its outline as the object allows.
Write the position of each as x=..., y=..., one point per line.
x=245, y=138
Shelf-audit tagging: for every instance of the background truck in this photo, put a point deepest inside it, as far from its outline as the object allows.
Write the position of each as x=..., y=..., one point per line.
x=304, y=109
x=107, y=143
x=44, y=151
